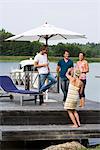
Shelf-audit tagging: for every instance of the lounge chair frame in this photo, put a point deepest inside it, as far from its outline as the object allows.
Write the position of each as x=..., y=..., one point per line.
x=9, y=87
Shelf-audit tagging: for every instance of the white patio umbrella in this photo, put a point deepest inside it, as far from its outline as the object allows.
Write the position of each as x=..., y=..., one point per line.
x=46, y=31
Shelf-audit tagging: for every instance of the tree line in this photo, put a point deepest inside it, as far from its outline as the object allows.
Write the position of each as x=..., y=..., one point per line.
x=25, y=48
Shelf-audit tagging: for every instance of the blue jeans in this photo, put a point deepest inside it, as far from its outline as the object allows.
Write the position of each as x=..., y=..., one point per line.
x=64, y=87
x=42, y=78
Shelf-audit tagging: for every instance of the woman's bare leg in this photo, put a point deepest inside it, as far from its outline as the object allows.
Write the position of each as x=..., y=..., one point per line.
x=77, y=117
x=72, y=117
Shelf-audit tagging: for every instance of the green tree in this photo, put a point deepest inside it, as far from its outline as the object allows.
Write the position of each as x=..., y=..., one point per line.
x=31, y=48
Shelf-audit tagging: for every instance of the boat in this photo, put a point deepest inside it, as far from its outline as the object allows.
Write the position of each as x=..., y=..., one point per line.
x=25, y=69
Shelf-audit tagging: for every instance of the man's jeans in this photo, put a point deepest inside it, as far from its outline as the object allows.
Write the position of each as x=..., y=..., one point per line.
x=50, y=81
x=64, y=87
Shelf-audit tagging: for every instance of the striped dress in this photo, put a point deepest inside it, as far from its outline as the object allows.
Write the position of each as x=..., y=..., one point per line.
x=72, y=97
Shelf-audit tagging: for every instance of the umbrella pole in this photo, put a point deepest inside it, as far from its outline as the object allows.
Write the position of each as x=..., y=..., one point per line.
x=46, y=40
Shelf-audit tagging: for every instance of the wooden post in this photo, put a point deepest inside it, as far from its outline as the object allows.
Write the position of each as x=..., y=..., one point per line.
x=58, y=89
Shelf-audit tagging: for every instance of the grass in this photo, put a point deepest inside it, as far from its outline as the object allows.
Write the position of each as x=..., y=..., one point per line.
x=52, y=59
x=13, y=58
x=75, y=59
x=96, y=148
x=92, y=148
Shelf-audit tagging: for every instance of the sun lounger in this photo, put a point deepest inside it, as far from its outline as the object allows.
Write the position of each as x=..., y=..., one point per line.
x=9, y=87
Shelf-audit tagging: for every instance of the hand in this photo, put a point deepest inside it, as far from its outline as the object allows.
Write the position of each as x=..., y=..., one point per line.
x=45, y=65
x=70, y=69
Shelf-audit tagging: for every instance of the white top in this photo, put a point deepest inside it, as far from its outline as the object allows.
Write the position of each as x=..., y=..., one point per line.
x=41, y=59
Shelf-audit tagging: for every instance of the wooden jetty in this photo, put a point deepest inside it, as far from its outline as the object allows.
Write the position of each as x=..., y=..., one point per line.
x=32, y=122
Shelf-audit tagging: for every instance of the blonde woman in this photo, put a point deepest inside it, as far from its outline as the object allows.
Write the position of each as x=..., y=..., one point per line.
x=75, y=86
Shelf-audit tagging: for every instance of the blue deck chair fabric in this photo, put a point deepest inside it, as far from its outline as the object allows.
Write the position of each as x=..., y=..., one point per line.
x=8, y=86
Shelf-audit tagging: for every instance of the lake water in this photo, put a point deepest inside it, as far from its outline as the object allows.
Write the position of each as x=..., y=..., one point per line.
x=93, y=83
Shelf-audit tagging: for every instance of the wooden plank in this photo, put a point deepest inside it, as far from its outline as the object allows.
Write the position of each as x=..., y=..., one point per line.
x=45, y=117
x=49, y=132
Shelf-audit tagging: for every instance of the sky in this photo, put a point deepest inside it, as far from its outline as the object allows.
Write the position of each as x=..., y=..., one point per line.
x=82, y=16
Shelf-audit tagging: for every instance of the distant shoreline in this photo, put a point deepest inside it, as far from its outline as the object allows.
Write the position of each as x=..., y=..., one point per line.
x=51, y=58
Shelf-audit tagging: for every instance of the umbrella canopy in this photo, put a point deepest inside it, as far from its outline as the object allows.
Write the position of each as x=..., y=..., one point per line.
x=46, y=31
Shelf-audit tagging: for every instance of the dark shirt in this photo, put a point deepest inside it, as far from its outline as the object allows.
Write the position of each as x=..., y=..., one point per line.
x=64, y=66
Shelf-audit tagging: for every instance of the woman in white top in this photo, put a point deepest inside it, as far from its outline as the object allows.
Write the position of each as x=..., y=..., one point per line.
x=75, y=86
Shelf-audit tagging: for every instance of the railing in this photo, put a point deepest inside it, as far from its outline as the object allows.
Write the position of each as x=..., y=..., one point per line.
x=97, y=76
x=30, y=80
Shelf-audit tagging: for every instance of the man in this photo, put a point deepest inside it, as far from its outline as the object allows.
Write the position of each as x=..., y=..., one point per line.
x=62, y=67
x=83, y=66
x=42, y=64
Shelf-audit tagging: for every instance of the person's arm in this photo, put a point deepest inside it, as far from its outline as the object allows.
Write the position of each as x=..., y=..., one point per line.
x=37, y=65
x=68, y=74
x=58, y=69
x=86, y=68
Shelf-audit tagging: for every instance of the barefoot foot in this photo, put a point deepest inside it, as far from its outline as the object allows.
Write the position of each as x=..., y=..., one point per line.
x=74, y=126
